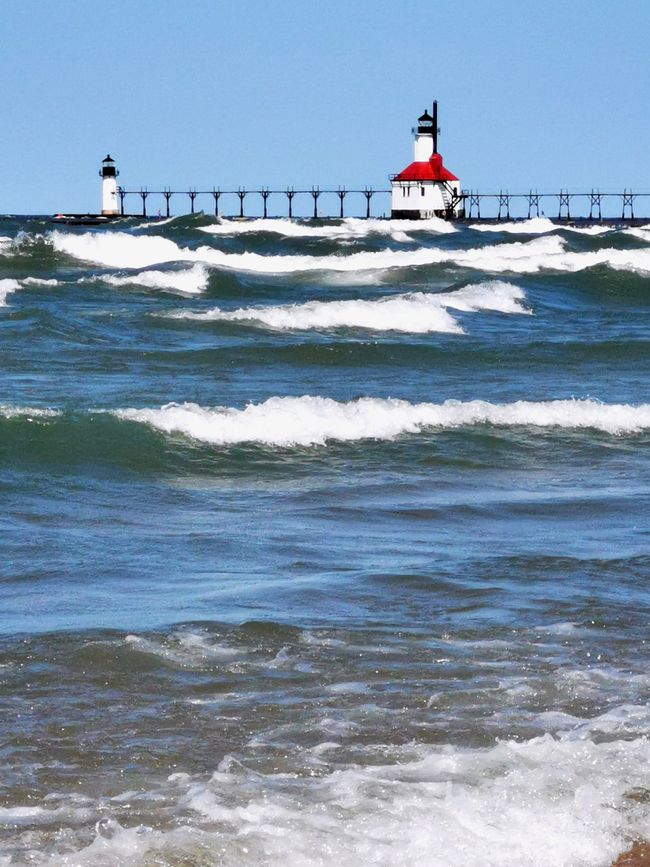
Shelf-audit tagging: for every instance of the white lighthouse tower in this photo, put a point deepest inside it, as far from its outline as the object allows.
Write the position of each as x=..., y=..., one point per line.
x=108, y=173
x=425, y=188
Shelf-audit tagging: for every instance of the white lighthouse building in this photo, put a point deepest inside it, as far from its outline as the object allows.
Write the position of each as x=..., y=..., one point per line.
x=108, y=173
x=425, y=188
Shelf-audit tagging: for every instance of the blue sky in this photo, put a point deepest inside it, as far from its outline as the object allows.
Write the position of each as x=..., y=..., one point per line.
x=278, y=92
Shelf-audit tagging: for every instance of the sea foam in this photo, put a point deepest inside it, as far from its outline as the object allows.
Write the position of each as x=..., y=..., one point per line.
x=414, y=313
x=122, y=250
x=307, y=420
x=7, y=286
x=542, y=802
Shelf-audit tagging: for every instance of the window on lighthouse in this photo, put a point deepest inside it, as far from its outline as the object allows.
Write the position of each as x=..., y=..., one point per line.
x=422, y=190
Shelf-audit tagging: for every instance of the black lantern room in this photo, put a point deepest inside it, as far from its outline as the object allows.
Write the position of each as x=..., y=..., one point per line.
x=425, y=123
x=108, y=167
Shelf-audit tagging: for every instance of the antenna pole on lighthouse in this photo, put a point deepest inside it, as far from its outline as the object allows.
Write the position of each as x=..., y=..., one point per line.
x=435, y=126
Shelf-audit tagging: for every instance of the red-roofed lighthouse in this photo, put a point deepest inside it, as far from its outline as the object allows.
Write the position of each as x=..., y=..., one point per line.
x=426, y=188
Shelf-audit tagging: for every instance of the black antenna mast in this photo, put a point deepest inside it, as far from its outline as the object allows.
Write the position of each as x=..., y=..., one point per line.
x=434, y=131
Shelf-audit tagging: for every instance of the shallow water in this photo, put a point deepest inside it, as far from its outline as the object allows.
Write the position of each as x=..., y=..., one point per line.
x=324, y=543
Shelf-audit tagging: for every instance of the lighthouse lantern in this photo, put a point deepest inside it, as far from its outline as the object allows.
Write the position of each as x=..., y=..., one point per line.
x=425, y=188
x=108, y=174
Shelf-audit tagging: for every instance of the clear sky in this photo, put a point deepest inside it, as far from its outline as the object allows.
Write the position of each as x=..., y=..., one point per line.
x=275, y=92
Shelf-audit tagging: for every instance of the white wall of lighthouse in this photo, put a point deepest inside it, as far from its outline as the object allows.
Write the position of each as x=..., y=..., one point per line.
x=422, y=147
x=108, y=174
x=423, y=198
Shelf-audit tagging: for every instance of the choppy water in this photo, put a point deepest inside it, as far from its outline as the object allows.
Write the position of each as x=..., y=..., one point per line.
x=323, y=544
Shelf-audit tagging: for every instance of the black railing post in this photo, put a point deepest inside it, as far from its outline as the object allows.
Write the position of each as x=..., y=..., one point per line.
x=167, y=193
x=504, y=202
x=241, y=192
x=341, y=195
x=474, y=199
x=192, y=194
x=265, y=194
x=315, y=191
x=143, y=195
x=368, y=194
x=121, y=193
x=290, y=194
x=533, y=202
x=216, y=194
x=594, y=202
x=565, y=202
x=628, y=202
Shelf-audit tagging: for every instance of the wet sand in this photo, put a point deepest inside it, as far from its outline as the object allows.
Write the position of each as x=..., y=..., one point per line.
x=637, y=856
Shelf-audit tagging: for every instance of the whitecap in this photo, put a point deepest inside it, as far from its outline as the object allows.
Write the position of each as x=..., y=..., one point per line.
x=154, y=224
x=7, y=286
x=28, y=412
x=307, y=420
x=414, y=313
x=188, y=281
x=642, y=232
x=119, y=249
x=531, y=226
x=40, y=281
x=538, y=226
x=351, y=227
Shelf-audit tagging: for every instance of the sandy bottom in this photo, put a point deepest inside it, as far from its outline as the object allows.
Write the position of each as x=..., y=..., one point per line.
x=637, y=856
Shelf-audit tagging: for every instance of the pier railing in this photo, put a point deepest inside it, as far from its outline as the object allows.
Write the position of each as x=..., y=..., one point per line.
x=563, y=205
x=237, y=203
x=333, y=203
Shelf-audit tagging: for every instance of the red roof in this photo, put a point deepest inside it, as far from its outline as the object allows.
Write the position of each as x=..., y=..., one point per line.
x=432, y=170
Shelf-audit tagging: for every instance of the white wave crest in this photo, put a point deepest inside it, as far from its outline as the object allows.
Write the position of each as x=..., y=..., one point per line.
x=642, y=232
x=351, y=227
x=7, y=286
x=26, y=412
x=154, y=224
x=188, y=281
x=5, y=245
x=588, y=230
x=533, y=226
x=40, y=281
x=118, y=249
x=415, y=313
x=307, y=420
x=537, y=226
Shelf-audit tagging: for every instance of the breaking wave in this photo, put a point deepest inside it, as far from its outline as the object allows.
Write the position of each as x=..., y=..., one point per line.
x=119, y=249
x=188, y=281
x=415, y=313
x=642, y=232
x=352, y=227
x=307, y=420
x=26, y=412
x=7, y=286
x=154, y=224
x=537, y=226
x=543, y=802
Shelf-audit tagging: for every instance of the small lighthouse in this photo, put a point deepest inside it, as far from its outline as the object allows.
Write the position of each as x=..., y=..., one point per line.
x=425, y=188
x=108, y=173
